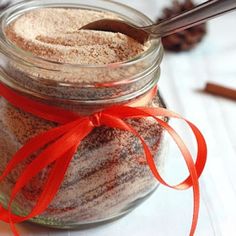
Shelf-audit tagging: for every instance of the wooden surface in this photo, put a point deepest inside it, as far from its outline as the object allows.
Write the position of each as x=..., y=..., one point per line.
x=168, y=212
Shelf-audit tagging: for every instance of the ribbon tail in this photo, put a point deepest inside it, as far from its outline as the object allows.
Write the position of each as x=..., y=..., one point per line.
x=50, y=190
x=192, y=180
x=51, y=154
x=57, y=174
x=55, y=178
x=194, y=170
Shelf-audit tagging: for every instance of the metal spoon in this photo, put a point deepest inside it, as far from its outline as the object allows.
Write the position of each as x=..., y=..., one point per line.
x=197, y=15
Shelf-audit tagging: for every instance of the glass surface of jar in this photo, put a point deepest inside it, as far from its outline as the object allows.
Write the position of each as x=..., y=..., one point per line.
x=108, y=176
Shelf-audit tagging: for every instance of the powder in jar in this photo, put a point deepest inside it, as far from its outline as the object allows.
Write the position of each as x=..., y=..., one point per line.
x=54, y=34
x=108, y=175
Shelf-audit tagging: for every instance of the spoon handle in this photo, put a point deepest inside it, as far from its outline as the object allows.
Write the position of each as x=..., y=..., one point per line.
x=197, y=15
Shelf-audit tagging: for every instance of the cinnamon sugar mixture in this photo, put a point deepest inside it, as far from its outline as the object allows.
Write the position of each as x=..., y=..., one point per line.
x=54, y=34
x=108, y=175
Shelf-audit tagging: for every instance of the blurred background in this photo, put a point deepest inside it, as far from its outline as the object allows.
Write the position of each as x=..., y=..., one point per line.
x=210, y=58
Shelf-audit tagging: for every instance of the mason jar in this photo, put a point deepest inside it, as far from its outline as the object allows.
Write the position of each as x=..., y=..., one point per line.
x=108, y=175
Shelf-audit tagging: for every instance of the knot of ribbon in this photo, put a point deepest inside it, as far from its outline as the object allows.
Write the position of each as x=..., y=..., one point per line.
x=57, y=146
x=96, y=119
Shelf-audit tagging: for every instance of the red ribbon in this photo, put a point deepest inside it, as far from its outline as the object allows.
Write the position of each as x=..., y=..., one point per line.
x=64, y=140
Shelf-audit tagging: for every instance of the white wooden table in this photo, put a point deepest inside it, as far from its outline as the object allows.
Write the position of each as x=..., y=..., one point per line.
x=168, y=212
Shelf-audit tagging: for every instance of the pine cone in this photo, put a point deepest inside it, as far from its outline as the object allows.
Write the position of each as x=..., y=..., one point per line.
x=4, y=4
x=186, y=39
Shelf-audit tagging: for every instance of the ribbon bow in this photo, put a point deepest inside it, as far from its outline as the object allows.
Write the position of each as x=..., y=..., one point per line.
x=64, y=140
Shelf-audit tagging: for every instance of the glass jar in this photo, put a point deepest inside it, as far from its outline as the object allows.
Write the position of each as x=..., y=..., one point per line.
x=108, y=176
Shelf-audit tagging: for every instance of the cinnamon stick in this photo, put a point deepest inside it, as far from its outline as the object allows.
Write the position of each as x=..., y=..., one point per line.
x=220, y=90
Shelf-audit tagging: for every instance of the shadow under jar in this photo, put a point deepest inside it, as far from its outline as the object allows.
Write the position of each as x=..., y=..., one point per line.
x=108, y=175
